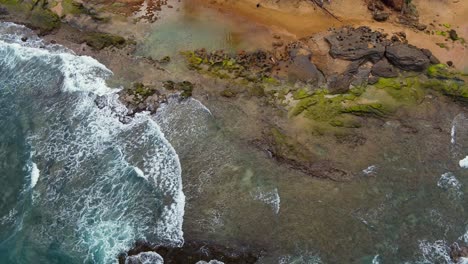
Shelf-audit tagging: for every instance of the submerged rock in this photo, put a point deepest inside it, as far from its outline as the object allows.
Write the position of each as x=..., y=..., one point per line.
x=194, y=252
x=99, y=40
x=458, y=252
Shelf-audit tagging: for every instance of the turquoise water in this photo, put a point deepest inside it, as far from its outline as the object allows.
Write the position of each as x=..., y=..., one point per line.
x=78, y=186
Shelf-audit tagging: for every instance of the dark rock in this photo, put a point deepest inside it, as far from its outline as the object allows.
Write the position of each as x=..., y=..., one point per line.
x=302, y=69
x=375, y=5
x=453, y=35
x=165, y=59
x=338, y=84
x=395, y=4
x=373, y=80
x=457, y=252
x=327, y=170
x=98, y=40
x=431, y=57
x=194, y=251
x=24, y=39
x=356, y=44
x=125, y=119
x=187, y=88
x=434, y=60
x=101, y=102
x=420, y=27
x=450, y=63
x=407, y=57
x=380, y=16
x=228, y=93
x=384, y=69
x=361, y=77
x=3, y=11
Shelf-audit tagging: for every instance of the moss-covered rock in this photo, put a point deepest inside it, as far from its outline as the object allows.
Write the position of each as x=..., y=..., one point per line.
x=44, y=20
x=257, y=90
x=374, y=109
x=99, y=40
x=453, y=88
x=440, y=71
x=301, y=94
x=228, y=92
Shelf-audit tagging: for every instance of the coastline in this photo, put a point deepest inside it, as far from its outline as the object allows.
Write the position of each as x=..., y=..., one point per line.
x=266, y=127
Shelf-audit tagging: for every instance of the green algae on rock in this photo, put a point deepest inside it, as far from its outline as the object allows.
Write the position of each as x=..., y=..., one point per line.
x=99, y=40
x=36, y=14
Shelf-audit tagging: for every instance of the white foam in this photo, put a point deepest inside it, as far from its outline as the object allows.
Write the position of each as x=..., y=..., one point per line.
x=435, y=252
x=145, y=258
x=270, y=198
x=464, y=237
x=210, y=262
x=92, y=153
x=140, y=173
x=35, y=173
x=464, y=163
x=376, y=259
x=449, y=182
x=370, y=170
x=453, y=133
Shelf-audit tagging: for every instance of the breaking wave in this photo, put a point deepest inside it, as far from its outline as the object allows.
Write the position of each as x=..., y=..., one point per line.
x=103, y=183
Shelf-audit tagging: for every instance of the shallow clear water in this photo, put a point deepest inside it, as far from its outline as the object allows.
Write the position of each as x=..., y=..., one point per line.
x=407, y=208
x=77, y=184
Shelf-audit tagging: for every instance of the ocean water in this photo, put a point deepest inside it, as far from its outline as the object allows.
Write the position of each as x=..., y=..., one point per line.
x=76, y=185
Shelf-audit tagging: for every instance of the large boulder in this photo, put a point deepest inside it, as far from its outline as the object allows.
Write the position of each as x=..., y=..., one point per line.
x=407, y=57
x=357, y=44
x=384, y=69
x=302, y=69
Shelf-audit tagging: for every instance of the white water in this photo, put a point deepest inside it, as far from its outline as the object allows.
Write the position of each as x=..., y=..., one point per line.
x=464, y=163
x=370, y=170
x=145, y=258
x=89, y=151
x=270, y=198
x=34, y=174
x=450, y=183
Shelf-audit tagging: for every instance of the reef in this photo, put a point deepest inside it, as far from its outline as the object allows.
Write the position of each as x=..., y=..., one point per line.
x=194, y=251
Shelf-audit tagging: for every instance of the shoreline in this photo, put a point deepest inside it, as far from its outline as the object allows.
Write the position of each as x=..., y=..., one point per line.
x=268, y=126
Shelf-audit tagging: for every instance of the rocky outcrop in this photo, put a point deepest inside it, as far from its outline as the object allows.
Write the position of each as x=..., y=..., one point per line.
x=194, y=251
x=458, y=252
x=407, y=57
x=357, y=44
x=384, y=69
x=301, y=68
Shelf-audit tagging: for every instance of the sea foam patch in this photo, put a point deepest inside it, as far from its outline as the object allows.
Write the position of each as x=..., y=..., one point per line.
x=34, y=175
x=270, y=198
x=449, y=182
x=464, y=163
